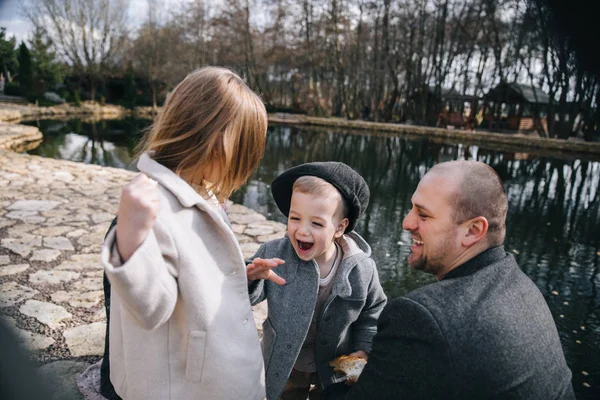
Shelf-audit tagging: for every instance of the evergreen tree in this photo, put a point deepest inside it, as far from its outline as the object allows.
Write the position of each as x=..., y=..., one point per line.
x=47, y=71
x=8, y=56
x=25, y=70
x=130, y=89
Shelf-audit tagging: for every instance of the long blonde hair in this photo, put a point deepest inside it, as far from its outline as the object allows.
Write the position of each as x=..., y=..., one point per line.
x=211, y=117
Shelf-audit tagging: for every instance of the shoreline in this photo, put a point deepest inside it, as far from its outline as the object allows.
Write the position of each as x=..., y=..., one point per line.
x=12, y=114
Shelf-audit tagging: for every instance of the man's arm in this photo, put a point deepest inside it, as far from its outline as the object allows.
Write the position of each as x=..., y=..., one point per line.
x=410, y=358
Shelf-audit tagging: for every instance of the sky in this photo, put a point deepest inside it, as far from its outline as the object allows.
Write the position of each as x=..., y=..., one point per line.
x=16, y=24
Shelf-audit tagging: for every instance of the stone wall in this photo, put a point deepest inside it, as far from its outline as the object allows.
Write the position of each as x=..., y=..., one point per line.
x=524, y=142
x=15, y=112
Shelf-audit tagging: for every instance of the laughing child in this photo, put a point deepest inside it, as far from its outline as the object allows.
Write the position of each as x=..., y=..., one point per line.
x=322, y=287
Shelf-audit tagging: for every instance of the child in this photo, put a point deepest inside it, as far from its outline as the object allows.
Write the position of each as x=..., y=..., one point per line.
x=181, y=326
x=322, y=287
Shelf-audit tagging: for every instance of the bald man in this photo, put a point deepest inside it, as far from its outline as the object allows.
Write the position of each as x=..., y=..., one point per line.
x=484, y=330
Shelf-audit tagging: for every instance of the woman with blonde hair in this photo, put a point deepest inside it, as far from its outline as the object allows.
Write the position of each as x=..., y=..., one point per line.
x=181, y=326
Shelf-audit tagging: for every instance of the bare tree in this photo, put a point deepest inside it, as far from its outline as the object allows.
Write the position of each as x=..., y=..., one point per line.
x=88, y=34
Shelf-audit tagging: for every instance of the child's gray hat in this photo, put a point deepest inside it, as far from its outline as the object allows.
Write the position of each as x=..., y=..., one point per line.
x=349, y=183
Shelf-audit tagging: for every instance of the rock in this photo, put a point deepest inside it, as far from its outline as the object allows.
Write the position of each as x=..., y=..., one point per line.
x=80, y=262
x=76, y=233
x=53, y=231
x=95, y=238
x=248, y=249
x=245, y=219
x=13, y=269
x=88, y=284
x=22, y=247
x=63, y=176
x=58, y=243
x=86, y=300
x=238, y=209
x=20, y=229
x=6, y=222
x=12, y=293
x=61, y=296
x=238, y=228
x=102, y=217
x=52, y=277
x=33, y=205
x=260, y=311
x=56, y=213
x=243, y=238
x=31, y=341
x=21, y=214
x=100, y=315
x=86, y=340
x=45, y=255
x=46, y=313
x=61, y=376
x=259, y=230
x=4, y=260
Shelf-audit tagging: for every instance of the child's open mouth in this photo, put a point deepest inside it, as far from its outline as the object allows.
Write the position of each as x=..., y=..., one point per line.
x=304, y=245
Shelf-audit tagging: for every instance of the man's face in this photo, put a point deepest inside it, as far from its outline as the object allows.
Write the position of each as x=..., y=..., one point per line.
x=313, y=225
x=436, y=237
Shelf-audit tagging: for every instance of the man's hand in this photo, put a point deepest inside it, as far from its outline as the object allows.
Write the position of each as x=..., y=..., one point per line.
x=361, y=354
x=262, y=269
x=138, y=209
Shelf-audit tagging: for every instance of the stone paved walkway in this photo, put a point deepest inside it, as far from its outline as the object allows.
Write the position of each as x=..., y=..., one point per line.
x=53, y=217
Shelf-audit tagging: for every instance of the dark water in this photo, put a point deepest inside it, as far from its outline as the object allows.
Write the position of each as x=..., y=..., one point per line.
x=553, y=223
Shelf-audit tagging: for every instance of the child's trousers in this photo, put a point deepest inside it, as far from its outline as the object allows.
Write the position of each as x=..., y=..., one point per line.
x=302, y=385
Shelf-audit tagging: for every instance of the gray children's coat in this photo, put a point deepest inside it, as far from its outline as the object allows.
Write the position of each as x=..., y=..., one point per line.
x=347, y=323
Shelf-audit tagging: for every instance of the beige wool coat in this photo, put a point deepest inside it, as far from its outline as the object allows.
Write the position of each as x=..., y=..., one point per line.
x=181, y=325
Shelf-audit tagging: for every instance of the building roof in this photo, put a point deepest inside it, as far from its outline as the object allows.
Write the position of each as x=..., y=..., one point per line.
x=527, y=93
x=531, y=93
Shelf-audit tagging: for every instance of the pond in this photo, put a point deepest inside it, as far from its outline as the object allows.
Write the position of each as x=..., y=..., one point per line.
x=553, y=226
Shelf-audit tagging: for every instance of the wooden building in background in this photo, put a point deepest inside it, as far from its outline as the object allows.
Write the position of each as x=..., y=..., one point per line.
x=516, y=107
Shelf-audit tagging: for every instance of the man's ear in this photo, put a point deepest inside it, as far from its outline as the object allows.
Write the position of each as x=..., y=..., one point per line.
x=341, y=227
x=476, y=231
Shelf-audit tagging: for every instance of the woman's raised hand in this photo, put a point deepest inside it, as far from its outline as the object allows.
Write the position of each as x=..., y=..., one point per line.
x=138, y=209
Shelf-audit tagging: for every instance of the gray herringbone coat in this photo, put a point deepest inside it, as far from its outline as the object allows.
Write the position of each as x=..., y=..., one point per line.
x=483, y=332
x=347, y=323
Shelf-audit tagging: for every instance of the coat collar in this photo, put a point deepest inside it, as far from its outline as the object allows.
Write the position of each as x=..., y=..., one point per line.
x=355, y=249
x=352, y=243
x=186, y=195
x=481, y=260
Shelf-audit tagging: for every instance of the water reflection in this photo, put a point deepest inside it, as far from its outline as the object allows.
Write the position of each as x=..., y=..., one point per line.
x=553, y=220
x=104, y=142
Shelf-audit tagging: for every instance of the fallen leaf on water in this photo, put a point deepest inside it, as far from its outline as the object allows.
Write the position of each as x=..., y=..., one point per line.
x=561, y=315
x=516, y=251
x=585, y=373
x=566, y=303
x=554, y=292
x=582, y=328
x=578, y=341
x=586, y=384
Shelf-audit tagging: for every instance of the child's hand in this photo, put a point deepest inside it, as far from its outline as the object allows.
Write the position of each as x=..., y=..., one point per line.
x=361, y=354
x=261, y=269
x=138, y=209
